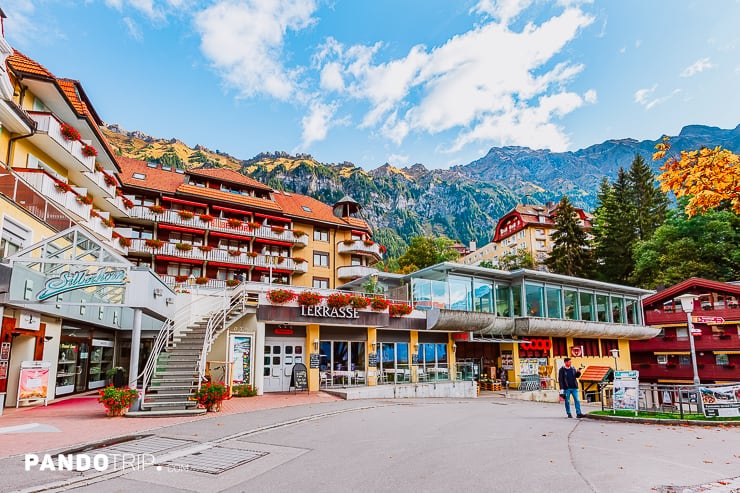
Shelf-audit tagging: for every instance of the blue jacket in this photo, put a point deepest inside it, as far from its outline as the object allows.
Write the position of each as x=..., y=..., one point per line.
x=567, y=378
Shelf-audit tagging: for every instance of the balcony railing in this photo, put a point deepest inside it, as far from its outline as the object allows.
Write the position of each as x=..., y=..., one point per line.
x=57, y=146
x=221, y=225
x=359, y=247
x=95, y=224
x=97, y=179
x=355, y=271
x=47, y=187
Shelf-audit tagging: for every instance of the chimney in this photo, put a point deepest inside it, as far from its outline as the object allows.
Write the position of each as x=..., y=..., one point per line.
x=472, y=246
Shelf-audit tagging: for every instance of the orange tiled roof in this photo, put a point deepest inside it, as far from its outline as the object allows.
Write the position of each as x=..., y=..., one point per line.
x=227, y=174
x=156, y=178
x=233, y=198
x=595, y=373
x=293, y=203
x=21, y=63
x=68, y=86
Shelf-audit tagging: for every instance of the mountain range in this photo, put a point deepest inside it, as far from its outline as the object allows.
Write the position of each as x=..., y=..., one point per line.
x=463, y=202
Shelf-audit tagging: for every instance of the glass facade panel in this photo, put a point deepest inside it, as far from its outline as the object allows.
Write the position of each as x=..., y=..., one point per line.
x=440, y=294
x=587, y=306
x=571, y=304
x=460, y=293
x=554, y=307
x=535, y=300
x=358, y=356
x=617, y=310
x=482, y=296
x=633, y=312
x=503, y=301
x=602, y=308
x=516, y=300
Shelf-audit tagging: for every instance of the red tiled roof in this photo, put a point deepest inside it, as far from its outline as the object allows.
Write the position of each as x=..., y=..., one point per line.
x=21, y=63
x=227, y=174
x=156, y=178
x=232, y=198
x=595, y=373
x=69, y=88
x=688, y=286
x=293, y=203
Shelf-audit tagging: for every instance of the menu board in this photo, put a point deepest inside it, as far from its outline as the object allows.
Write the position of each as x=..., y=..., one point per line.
x=299, y=378
x=314, y=360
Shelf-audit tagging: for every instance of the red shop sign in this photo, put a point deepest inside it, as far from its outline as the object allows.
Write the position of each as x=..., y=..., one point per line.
x=536, y=345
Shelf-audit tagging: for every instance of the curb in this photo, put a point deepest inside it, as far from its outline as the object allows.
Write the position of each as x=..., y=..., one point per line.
x=657, y=421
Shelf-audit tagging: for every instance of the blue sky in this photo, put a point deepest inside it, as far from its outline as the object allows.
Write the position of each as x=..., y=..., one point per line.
x=436, y=82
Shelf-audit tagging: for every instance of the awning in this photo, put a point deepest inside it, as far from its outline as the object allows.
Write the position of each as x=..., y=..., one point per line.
x=725, y=352
x=228, y=235
x=673, y=380
x=237, y=263
x=179, y=259
x=184, y=202
x=283, y=219
x=496, y=340
x=668, y=353
x=180, y=228
x=596, y=373
x=273, y=242
x=228, y=209
x=358, y=232
x=275, y=271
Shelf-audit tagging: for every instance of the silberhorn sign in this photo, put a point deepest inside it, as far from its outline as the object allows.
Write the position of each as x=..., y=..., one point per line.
x=70, y=281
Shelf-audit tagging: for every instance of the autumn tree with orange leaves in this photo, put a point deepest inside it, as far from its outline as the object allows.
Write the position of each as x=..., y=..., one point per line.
x=708, y=177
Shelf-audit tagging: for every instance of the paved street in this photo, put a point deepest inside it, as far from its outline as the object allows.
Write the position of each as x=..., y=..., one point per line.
x=485, y=444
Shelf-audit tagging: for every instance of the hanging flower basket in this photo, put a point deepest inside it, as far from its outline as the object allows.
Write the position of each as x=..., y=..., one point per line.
x=186, y=215
x=124, y=242
x=379, y=304
x=184, y=247
x=399, y=309
x=117, y=400
x=154, y=244
x=309, y=298
x=69, y=132
x=280, y=296
x=338, y=300
x=234, y=223
x=201, y=280
x=88, y=151
x=156, y=209
x=206, y=218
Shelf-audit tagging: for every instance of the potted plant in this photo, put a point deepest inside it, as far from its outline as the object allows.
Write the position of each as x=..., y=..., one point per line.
x=280, y=296
x=234, y=223
x=309, y=298
x=379, y=304
x=124, y=242
x=154, y=244
x=186, y=215
x=337, y=300
x=211, y=394
x=108, y=222
x=359, y=302
x=69, y=132
x=184, y=247
x=88, y=151
x=206, y=218
x=243, y=390
x=117, y=400
x=156, y=209
x=232, y=282
x=201, y=280
x=399, y=309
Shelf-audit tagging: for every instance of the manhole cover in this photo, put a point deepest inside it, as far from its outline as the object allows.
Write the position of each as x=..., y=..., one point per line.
x=152, y=445
x=215, y=460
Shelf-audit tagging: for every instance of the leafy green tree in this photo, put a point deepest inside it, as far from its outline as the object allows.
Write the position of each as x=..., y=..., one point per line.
x=424, y=251
x=571, y=251
x=705, y=246
x=649, y=202
x=520, y=259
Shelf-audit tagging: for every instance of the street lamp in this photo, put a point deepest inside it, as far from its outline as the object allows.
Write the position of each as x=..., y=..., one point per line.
x=687, y=303
x=615, y=355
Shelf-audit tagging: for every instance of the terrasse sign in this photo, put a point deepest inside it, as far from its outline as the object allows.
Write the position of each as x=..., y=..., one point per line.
x=70, y=281
x=327, y=312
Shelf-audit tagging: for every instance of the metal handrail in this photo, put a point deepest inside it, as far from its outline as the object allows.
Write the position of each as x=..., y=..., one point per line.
x=164, y=336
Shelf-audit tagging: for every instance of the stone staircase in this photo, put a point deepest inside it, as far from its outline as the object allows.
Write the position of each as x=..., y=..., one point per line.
x=173, y=375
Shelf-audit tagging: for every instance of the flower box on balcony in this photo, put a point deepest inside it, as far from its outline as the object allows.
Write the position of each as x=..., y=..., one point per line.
x=156, y=209
x=201, y=280
x=299, y=260
x=254, y=225
x=109, y=180
x=63, y=187
x=124, y=242
x=185, y=215
x=184, y=247
x=232, y=282
x=369, y=242
x=108, y=222
x=278, y=230
x=235, y=253
x=252, y=254
x=309, y=298
x=382, y=248
x=206, y=218
x=338, y=300
x=181, y=278
x=234, y=223
x=69, y=132
x=154, y=244
x=89, y=151
x=280, y=296
x=280, y=260
x=359, y=302
x=98, y=167
x=127, y=203
x=205, y=248
x=399, y=309
x=349, y=242
x=299, y=233
x=85, y=199
x=379, y=304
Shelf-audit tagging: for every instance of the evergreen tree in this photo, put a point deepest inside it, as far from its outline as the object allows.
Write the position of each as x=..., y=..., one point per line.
x=571, y=251
x=649, y=202
x=614, y=230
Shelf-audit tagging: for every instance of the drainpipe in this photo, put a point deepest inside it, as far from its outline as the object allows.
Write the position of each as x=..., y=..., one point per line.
x=12, y=140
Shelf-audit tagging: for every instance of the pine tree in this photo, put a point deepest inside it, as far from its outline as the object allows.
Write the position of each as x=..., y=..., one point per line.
x=614, y=230
x=649, y=202
x=571, y=253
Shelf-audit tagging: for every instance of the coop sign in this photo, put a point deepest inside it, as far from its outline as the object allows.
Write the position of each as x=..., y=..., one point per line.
x=70, y=281
x=329, y=312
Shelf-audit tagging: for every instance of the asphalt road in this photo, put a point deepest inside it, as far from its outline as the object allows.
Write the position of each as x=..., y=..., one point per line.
x=430, y=445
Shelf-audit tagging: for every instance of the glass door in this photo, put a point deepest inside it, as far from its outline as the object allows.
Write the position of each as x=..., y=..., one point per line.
x=66, y=367
x=82, y=367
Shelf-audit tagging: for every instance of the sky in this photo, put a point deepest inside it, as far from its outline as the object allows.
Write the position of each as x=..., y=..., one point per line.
x=437, y=82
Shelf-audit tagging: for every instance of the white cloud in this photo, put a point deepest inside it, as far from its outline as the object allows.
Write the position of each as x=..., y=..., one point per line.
x=317, y=123
x=501, y=10
x=646, y=99
x=398, y=160
x=590, y=96
x=697, y=67
x=244, y=41
x=19, y=25
x=133, y=29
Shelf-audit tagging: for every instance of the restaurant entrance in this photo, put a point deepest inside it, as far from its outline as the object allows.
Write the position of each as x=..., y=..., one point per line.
x=280, y=356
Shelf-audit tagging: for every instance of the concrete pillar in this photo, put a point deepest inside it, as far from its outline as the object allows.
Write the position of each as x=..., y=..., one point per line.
x=452, y=357
x=259, y=358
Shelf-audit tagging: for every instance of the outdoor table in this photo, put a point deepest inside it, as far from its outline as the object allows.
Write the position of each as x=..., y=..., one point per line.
x=344, y=375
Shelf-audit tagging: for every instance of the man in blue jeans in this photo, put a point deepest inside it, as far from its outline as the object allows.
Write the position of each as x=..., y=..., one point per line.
x=568, y=380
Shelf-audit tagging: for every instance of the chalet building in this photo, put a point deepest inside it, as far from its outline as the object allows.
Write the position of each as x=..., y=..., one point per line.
x=526, y=227
x=666, y=358
x=59, y=203
x=216, y=228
